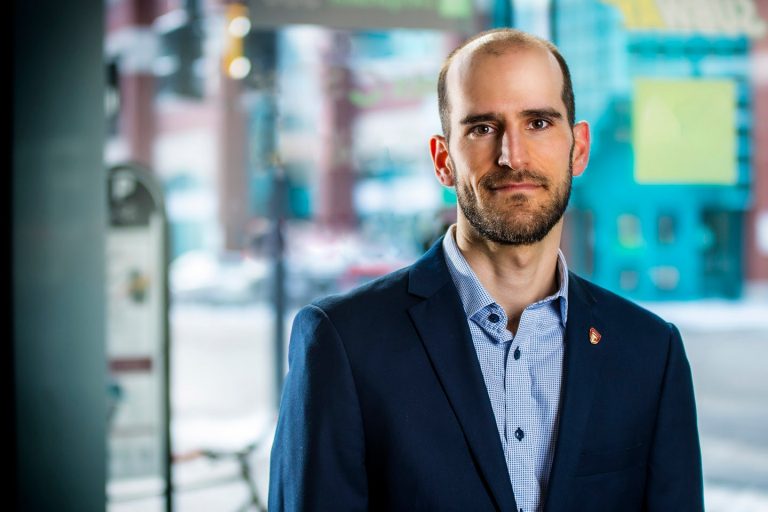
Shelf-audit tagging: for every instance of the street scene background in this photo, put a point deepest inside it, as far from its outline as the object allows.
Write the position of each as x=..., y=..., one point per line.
x=283, y=155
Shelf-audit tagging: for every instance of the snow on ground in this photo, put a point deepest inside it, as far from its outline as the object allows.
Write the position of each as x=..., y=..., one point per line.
x=714, y=315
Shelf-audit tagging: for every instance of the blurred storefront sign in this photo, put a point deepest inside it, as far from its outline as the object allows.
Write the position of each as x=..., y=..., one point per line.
x=137, y=338
x=712, y=17
x=451, y=15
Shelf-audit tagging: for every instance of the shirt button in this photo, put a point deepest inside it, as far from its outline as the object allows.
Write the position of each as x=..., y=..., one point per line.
x=519, y=434
x=516, y=355
x=494, y=318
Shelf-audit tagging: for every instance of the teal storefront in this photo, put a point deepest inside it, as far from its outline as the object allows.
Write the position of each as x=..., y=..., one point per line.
x=659, y=213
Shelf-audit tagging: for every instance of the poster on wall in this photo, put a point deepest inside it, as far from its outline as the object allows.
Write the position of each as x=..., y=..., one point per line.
x=674, y=120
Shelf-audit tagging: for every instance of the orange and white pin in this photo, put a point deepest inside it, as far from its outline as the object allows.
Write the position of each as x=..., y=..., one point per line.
x=594, y=336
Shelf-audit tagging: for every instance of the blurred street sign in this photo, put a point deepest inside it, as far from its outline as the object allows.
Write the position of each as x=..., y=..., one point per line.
x=451, y=15
x=137, y=338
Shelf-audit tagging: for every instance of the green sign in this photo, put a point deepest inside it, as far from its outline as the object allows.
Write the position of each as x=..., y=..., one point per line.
x=684, y=131
x=454, y=15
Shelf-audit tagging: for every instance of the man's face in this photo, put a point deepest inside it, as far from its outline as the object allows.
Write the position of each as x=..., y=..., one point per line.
x=511, y=152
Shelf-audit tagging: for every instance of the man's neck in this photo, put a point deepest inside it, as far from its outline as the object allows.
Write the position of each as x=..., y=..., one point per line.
x=515, y=276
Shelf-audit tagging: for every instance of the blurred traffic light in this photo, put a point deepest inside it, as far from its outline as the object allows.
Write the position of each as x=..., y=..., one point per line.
x=248, y=55
x=236, y=64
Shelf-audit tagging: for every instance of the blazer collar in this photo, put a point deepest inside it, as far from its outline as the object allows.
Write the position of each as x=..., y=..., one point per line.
x=441, y=322
x=429, y=273
x=584, y=356
x=442, y=325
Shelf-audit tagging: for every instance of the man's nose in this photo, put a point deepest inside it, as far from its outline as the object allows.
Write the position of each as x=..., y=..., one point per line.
x=513, y=151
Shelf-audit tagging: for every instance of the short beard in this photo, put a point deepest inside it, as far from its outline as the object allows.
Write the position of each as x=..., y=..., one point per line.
x=501, y=227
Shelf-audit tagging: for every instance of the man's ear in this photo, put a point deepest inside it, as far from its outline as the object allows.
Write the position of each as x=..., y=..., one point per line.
x=581, y=143
x=438, y=148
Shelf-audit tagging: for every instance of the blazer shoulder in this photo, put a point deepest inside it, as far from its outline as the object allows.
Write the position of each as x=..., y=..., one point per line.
x=382, y=292
x=396, y=290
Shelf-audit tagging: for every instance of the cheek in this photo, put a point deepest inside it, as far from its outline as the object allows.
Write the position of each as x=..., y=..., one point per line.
x=472, y=150
x=466, y=188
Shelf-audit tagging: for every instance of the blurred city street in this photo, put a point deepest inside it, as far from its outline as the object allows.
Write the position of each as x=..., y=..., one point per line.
x=186, y=174
x=223, y=396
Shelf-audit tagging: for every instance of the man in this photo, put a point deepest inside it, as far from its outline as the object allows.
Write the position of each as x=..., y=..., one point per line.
x=486, y=376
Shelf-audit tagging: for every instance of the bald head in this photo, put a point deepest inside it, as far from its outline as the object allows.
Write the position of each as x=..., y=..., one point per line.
x=497, y=42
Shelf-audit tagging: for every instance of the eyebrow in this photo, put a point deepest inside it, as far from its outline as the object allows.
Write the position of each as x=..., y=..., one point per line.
x=547, y=113
x=479, y=118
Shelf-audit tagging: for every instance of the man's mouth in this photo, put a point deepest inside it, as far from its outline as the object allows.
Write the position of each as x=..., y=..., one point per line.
x=518, y=181
x=521, y=186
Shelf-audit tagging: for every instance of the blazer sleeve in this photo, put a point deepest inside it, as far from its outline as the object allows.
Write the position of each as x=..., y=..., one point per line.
x=317, y=460
x=674, y=472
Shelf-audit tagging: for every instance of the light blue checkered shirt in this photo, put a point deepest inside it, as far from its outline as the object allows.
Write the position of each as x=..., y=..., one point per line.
x=522, y=372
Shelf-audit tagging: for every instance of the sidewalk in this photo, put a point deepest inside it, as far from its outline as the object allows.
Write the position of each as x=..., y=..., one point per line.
x=724, y=499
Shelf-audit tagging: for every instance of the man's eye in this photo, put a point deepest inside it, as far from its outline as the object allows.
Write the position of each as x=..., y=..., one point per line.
x=539, y=124
x=481, y=129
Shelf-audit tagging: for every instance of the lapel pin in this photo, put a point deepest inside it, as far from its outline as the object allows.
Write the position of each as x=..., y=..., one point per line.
x=594, y=336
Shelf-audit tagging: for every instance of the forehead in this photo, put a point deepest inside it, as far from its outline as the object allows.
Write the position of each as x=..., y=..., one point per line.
x=504, y=79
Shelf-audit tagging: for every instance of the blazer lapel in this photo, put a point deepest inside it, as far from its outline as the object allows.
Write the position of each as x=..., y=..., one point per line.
x=442, y=325
x=581, y=366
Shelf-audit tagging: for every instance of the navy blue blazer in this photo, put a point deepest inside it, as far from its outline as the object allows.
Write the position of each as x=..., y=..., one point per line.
x=384, y=407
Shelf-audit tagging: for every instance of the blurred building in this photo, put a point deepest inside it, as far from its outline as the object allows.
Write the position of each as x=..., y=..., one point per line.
x=666, y=87
x=246, y=113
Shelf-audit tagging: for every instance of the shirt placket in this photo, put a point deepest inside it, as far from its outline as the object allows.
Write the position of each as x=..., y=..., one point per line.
x=521, y=415
x=492, y=319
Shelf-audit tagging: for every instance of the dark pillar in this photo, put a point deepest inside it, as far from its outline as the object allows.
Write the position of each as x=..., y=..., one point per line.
x=59, y=401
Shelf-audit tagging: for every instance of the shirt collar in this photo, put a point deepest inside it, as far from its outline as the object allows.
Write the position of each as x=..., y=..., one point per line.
x=473, y=295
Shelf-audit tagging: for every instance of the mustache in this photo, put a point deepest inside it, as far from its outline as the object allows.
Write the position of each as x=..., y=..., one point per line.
x=503, y=177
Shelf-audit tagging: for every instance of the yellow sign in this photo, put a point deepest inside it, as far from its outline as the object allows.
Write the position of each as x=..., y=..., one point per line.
x=639, y=14
x=684, y=131
x=714, y=17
